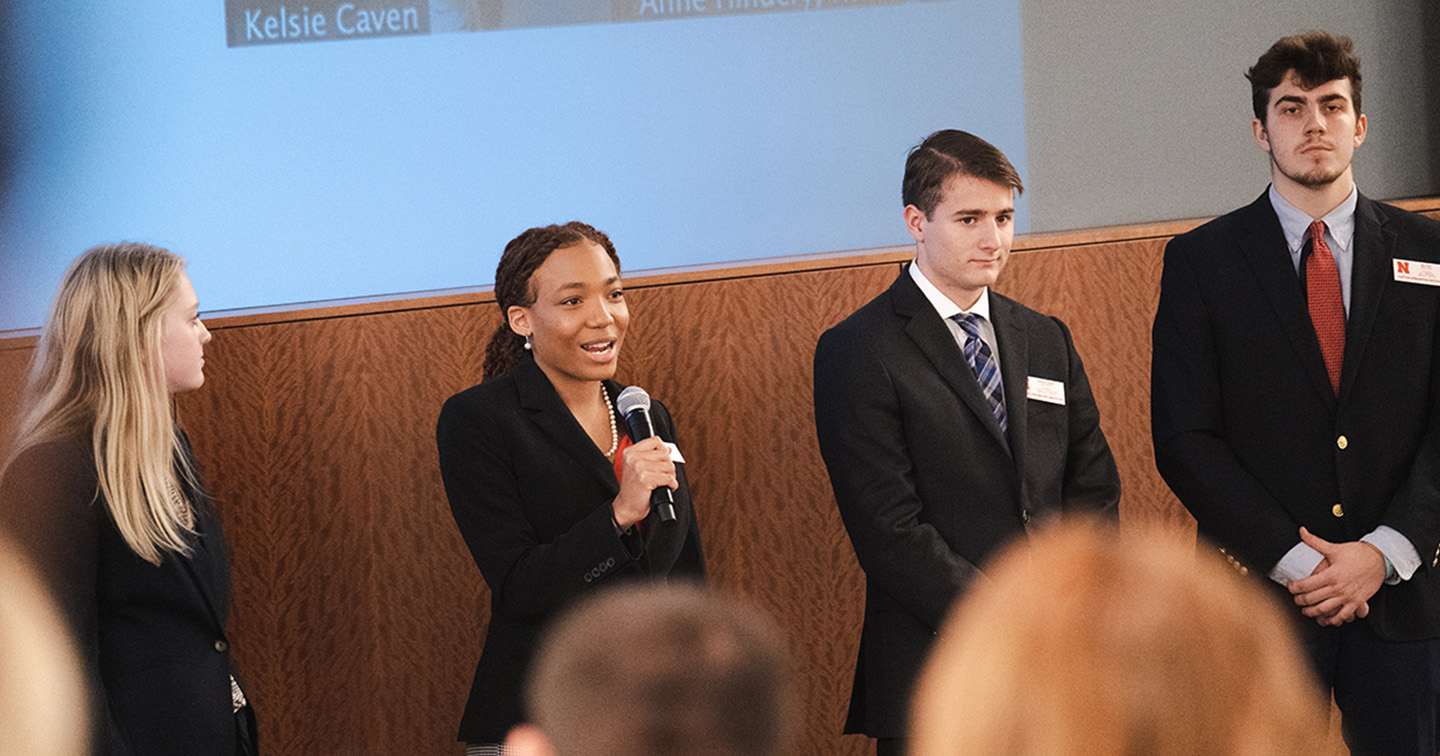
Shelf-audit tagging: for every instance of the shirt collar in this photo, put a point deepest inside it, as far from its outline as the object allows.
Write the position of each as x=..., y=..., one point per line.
x=943, y=304
x=1340, y=222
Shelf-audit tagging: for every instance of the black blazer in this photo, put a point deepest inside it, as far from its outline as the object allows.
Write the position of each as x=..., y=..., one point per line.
x=1247, y=431
x=531, y=495
x=152, y=638
x=927, y=484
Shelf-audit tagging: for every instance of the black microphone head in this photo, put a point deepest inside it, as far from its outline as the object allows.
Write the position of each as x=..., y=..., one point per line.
x=631, y=399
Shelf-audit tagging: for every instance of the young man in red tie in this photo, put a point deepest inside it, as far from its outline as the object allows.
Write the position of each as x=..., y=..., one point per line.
x=1296, y=398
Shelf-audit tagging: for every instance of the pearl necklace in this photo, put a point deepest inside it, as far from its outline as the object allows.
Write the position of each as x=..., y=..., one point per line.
x=614, y=432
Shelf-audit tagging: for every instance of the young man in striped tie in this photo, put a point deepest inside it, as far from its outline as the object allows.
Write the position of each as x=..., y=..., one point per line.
x=951, y=419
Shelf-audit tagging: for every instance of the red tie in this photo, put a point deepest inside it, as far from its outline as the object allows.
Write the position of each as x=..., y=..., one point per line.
x=1327, y=310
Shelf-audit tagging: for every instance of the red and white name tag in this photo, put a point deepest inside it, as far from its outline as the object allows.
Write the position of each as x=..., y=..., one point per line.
x=1045, y=390
x=1415, y=271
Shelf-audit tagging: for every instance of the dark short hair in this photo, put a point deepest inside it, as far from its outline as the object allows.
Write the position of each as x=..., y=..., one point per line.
x=947, y=153
x=653, y=669
x=1316, y=57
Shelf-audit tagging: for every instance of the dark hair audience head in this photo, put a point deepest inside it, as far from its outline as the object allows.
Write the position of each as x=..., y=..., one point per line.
x=663, y=670
x=523, y=256
x=949, y=153
x=1315, y=56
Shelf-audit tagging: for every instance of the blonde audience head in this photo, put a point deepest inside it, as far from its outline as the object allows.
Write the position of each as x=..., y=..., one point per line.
x=660, y=670
x=42, y=696
x=1089, y=641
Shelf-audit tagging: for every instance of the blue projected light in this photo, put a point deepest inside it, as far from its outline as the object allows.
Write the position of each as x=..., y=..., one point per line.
x=296, y=168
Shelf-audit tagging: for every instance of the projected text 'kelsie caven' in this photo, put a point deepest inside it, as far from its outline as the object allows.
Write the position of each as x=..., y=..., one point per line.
x=262, y=23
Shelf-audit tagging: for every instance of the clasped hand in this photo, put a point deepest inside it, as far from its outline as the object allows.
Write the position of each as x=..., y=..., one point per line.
x=1340, y=587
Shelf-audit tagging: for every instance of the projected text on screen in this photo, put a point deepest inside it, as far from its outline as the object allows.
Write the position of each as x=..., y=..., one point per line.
x=268, y=22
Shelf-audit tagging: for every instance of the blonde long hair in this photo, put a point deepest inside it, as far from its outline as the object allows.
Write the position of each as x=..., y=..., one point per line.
x=99, y=366
x=1089, y=641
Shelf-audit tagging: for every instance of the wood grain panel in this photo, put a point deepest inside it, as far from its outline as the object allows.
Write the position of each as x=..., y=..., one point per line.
x=358, y=612
x=15, y=355
x=1107, y=295
x=739, y=384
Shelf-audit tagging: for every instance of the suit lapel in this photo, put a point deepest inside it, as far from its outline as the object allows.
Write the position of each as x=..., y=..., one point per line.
x=1263, y=246
x=936, y=342
x=549, y=413
x=1373, y=247
x=1014, y=347
x=200, y=566
x=208, y=565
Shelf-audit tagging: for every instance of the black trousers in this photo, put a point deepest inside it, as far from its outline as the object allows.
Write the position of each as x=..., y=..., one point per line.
x=1388, y=692
x=890, y=746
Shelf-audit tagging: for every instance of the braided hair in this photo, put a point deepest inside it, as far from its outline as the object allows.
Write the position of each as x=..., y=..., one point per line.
x=513, y=287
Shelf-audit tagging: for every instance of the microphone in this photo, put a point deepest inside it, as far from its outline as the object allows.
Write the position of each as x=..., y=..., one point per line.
x=634, y=404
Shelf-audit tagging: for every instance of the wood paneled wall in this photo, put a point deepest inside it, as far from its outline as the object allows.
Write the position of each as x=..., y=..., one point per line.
x=358, y=612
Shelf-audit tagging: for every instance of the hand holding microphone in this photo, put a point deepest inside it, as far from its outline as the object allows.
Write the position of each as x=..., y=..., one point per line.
x=634, y=405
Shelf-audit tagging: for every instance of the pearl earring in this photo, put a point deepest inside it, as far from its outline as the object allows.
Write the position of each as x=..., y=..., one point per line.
x=527, y=343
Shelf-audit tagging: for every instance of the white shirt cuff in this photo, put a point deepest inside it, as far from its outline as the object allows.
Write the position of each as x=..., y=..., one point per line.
x=1396, y=548
x=1298, y=562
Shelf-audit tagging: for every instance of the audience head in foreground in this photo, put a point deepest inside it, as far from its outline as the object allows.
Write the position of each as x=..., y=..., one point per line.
x=659, y=670
x=1089, y=641
x=42, y=693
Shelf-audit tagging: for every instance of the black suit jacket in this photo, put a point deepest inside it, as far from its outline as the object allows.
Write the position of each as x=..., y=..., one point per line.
x=927, y=484
x=153, y=638
x=531, y=495
x=1248, y=432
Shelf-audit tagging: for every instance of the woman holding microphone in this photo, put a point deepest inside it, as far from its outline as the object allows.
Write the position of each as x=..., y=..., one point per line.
x=550, y=495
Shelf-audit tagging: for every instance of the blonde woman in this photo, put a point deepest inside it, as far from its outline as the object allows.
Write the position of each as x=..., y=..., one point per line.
x=1088, y=641
x=102, y=493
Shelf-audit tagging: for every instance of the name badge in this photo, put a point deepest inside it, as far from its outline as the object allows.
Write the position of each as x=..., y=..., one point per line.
x=675, y=455
x=1045, y=390
x=1415, y=271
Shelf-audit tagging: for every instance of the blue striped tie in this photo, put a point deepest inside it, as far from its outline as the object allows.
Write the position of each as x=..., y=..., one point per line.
x=982, y=361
